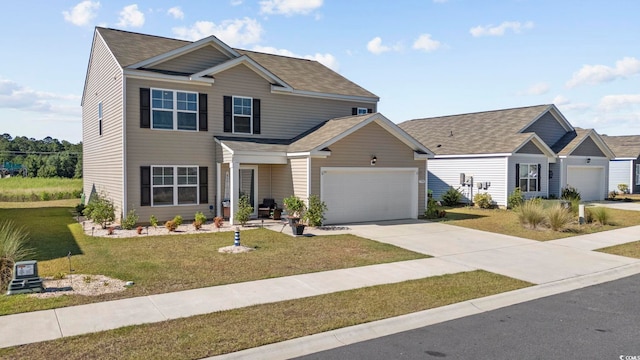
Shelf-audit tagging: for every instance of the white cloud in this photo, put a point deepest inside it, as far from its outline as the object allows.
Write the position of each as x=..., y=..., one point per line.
x=233, y=32
x=426, y=43
x=560, y=100
x=499, y=30
x=131, y=16
x=535, y=89
x=17, y=97
x=596, y=74
x=565, y=104
x=176, y=12
x=289, y=7
x=327, y=60
x=617, y=102
x=82, y=13
x=375, y=46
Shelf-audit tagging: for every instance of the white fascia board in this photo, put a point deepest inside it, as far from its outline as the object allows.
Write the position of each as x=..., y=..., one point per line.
x=259, y=158
x=624, y=158
x=298, y=154
x=472, y=156
x=244, y=59
x=313, y=94
x=148, y=75
x=418, y=156
x=211, y=40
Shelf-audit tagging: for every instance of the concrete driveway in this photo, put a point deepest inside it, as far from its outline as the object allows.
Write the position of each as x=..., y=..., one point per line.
x=533, y=261
x=621, y=205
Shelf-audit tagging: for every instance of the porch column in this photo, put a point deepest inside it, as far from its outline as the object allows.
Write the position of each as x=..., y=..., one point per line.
x=218, y=189
x=234, y=171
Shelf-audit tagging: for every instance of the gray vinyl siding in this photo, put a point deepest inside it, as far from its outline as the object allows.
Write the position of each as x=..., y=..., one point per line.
x=635, y=189
x=281, y=183
x=544, y=174
x=195, y=61
x=588, y=148
x=102, y=159
x=547, y=128
x=529, y=148
x=445, y=173
x=554, y=182
x=356, y=150
x=148, y=147
x=620, y=172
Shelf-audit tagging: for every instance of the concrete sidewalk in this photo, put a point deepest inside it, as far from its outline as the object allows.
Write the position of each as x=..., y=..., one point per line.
x=567, y=261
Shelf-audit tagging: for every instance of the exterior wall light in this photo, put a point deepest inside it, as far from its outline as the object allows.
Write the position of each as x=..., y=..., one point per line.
x=374, y=160
x=588, y=160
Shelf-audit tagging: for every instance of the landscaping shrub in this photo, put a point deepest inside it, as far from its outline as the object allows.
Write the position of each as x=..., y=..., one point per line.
x=431, y=212
x=570, y=193
x=244, y=210
x=515, y=199
x=451, y=197
x=483, y=200
x=295, y=206
x=624, y=188
x=531, y=213
x=314, y=216
x=600, y=214
x=13, y=247
x=612, y=194
x=559, y=217
x=199, y=220
x=153, y=220
x=129, y=221
x=100, y=210
x=171, y=225
x=177, y=220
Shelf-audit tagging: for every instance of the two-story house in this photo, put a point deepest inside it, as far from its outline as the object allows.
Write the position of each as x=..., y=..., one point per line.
x=171, y=127
x=534, y=148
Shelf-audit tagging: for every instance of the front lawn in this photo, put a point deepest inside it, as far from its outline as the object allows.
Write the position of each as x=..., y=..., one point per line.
x=228, y=331
x=160, y=264
x=631, y=250
x=506, y=222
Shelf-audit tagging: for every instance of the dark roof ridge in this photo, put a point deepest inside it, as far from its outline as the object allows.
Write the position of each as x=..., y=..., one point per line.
x=143, y=34
x=279, y=55
x=481, y=112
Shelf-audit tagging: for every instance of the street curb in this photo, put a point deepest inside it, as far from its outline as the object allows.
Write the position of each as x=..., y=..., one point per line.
x=345, y=336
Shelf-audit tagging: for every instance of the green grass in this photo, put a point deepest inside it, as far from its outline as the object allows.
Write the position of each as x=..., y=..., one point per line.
x=228, y=331
x=38, y=189
x=631, y=250
x=506, y=222
x=160, y=264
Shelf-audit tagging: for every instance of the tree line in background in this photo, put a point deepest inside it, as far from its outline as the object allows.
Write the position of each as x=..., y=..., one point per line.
x=45, y=158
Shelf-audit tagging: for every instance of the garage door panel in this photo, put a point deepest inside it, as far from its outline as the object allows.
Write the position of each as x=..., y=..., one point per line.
x=357, y=194
x=589, y=181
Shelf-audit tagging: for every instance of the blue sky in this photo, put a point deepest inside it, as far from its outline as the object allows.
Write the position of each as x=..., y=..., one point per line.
x=423, y=58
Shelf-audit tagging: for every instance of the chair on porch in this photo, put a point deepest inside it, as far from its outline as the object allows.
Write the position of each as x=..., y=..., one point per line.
x=264, y=209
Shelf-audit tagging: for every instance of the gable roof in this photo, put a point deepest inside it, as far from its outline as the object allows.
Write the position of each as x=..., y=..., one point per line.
x=301, y=76
x=624, y=147
x=488, y=132
x=572, y=140
x=320, y=137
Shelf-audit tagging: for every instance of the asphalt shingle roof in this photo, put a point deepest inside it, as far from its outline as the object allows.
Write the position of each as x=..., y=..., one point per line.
x=486, y=132
x=301, y=74
x=624, y=146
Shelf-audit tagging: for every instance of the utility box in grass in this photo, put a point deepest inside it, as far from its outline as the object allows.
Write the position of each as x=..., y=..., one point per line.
x=25, y=278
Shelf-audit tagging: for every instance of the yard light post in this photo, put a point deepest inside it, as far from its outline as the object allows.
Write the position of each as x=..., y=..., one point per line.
x=236, y=240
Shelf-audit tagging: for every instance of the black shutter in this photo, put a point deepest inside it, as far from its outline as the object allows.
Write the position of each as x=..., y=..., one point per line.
x=145, y=185
x=538, y=177
x=354, y=111
x=203, y=121
x=145, y=108
x=203, y=183
x=228, y=114
x=518, y=175
x=256, y=116
x=369, y=111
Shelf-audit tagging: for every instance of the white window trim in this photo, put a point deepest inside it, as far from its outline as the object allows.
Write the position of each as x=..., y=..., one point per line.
x=175, y=184
x=538, y=182
x=175, y=110
x=233, y=115
x=100, y=117
x=637, y=174
x=362, y=111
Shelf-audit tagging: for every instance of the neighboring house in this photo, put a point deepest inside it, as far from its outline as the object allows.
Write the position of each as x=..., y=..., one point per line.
x=172, y=127
x=534, y=148
x=625, y=167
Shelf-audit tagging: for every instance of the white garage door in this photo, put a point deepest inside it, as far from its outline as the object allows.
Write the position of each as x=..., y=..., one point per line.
x=369, y=194
x=588, y=180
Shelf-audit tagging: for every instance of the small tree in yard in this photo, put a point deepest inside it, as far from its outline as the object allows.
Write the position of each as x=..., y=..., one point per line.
x=244, y=210
x=315, y=212
x=451, y=197
x=100, y=210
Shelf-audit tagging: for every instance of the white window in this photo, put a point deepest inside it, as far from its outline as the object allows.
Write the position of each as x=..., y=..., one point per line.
x=174, y=185
x=528, y=178
x=242, y=115
x=637, y=174
x=100, y=118
x=174, y=110
x=362, y=111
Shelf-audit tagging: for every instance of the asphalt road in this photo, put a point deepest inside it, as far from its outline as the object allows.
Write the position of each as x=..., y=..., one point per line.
x=599, y=322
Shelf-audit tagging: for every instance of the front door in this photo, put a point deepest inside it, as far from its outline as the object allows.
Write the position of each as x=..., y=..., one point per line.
x=249, y=185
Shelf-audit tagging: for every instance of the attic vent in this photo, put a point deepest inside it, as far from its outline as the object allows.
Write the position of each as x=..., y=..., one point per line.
x=438, y=145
